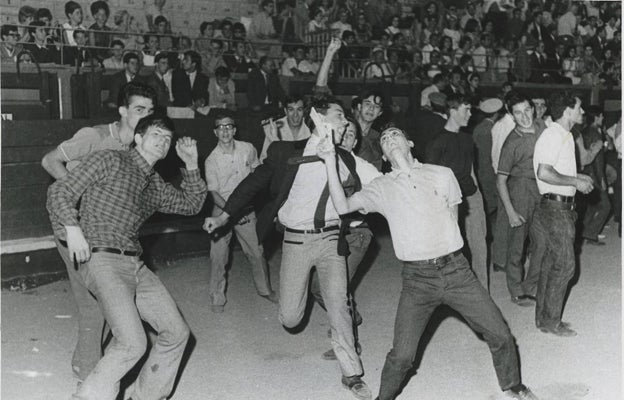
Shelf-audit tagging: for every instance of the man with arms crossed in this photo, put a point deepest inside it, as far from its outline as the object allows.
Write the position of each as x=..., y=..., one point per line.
x=420, y=203
x=118, y=191
x=554, y=164
x=136, y=101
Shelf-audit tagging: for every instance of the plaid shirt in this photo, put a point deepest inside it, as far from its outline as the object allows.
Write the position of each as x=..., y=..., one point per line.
x=119, y=191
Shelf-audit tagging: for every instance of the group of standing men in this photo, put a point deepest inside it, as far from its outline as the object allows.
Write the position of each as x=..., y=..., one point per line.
x=316, y=182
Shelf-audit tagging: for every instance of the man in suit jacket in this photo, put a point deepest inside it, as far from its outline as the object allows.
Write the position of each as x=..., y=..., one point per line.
x=264, y=91
x=160, y=80
x=555, y=66
x=539, y=64
x=299, y=200
x=188, y=84
x=237, y=60
x=117, y=80
x=598, y=42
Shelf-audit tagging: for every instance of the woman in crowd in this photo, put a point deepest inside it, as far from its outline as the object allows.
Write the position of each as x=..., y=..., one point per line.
x=73, y=11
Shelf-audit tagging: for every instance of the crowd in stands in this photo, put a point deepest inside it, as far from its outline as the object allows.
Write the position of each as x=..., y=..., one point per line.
x=541, y=41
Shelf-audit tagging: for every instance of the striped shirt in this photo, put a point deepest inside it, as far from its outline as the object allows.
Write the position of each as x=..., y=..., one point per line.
x=119, y=190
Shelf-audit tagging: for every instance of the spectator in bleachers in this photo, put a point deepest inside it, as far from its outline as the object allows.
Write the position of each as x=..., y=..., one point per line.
x=591, y=66
x=226, y=34
x=342, y=24
x=45, y=15
x=288, y=128
x=482, y=53
x=10, y=47
x=239, y=61
x=431, y=45
x=262, y=23
x=566, y=24
x=438, y=85
x=290, y=66
x=515, y=26
x=188, y=84
x=452, y=30
x=73, y=11
x=349, y=55
x=264, y=91
x=317, y=21
x=446, y=51
x=571, y=66
x=150, y=50
x=539, y=64
x=377, y=68
x=214, y=59
x=161, y=24
x=456, y=83
x=160, y=81
x=130, y=73
x=41, y=50
x=100, y=12
x=221, y=90
x=555, y=66
x=206, y=33
x=310, y=65
x=125, y=26
x=115, y=61
x=470, y=14
x=79, y=55
x=598, y=43
x=393, y=28
x=473, y=90
x=465, y=48
x=154, y=11
x=25, y=16
x=435, y=65
x=362, y=29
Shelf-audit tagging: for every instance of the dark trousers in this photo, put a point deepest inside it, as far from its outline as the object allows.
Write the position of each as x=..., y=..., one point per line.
x=500, y=235
x=596, y=213
x=425, y=287
x=554, y=226
x=524, y=197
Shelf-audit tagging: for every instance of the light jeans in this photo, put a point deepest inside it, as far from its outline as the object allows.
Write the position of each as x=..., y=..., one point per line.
x=300, y=253
x=128, y=292
x=219, y=255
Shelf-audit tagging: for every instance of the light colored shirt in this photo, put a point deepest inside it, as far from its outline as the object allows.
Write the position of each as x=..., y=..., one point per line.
x=424, y=95
x=111, y=63
x=217, y=95
x=225, y=171
x=261, y=26
x=283, y=133
x=566, y=24
x=555, y=147
x=418, y=207
x=341, y=26
x=288, y=65
x=501, y=129
x=192, y=76
x=479, y=59
x=298, y=210
x=306, y=66
x=90, y=139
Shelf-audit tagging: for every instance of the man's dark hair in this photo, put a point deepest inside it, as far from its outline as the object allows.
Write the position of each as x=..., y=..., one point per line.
x=464, y=59
x=559, y=101
x=132, y=89
x=223, y=72
x=366, y=93
x=455, y=100
x=6, y=29
x=437, y=78
x=130, y=56
x=262, y=60
x=195, y=58
x=154, y=120
x=26, y=12
x=358, y=132
x=225, y=23
x=239, y=26
x=265, y=3
x=32, y=27
x=514, y=97
x=100, y=5
x=70, y=7
x=217, y=41
x=220, y=115
x=79, y=31
x=321, y=103
x=591, y=113
x=117, y=42
x=293, y=98
x=43, y=13
x=347, y=34
x=160, y=56
x=160, y=19
x=203, y=26
x=463, y=41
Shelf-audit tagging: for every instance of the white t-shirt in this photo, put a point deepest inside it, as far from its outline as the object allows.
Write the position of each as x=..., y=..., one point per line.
x=555, y=147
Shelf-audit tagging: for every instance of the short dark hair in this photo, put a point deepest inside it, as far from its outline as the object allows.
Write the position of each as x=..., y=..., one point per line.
x=293, y=98
x=347, y=34
x=133, y=88
x=6, y=29
x=130, y=56
x=321, y=103
x=464, y=59
x=117, y=42
x=225, y=23
x=195, y=58
x=367, y=92
x=265, y=3
x=223, y=114
x=437, y=78
x=203, y=26
x=32, y=27
x=514, y=97
x=71, y=6
x=100, y=5
x=262, y=60
x=455, y=100
x=591, y=113
x=473, y=75
x=463, y=40
x=160, y=56
x=43, y=13
x=157, y=120
x=78, y=31
x=239, y=25
x=559, y=101
x=26, y=12
x=160, y=19
x=223, y=72
x=217, y=41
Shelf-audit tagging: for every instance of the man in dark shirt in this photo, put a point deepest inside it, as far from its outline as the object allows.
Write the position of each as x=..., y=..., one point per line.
x=454, y=149
x=118, y=191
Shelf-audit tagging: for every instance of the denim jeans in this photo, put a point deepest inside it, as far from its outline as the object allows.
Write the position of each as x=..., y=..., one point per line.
x=555, y=227
x=219, y=254
x=88, y=349
x=301, y=252
x=128, y=292
x=596, y=214
x=425, y=287
x=524, y=197
x=359, y=239
x=500, y=235
x=475, y=229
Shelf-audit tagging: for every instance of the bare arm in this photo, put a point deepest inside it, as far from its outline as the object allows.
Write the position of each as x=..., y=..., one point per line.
x=549, y=174
x=515, y=219
x=323, y=74
x=54, y=163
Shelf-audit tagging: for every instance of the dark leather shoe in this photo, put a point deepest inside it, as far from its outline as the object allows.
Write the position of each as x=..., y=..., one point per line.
x=523, y=301
x=357, y=387
x=594, y=242
x=562, y=330
x=272, y=297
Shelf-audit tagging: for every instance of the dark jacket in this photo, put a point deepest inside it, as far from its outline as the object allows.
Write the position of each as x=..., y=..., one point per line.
x=117, y=80
x=183, y=94
x=258, y=89
x=238, y=65
x=162, y=93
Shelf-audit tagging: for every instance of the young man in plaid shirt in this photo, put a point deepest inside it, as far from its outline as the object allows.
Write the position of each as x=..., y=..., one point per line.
x=118, y=191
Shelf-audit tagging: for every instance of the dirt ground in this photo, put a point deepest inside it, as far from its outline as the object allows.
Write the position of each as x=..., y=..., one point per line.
x=245, y=353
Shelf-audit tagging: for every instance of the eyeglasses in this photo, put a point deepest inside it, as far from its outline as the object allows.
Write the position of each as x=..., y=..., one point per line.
x=225, y=127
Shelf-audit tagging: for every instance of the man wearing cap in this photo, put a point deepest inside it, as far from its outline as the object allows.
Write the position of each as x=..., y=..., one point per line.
x=482, y=137
x=518, y=192
x=420, y=203
x=438, y=84
x=426, y=123
x=554, y=164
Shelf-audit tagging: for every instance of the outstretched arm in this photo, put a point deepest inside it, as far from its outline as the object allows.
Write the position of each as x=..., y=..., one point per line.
x=323, y=74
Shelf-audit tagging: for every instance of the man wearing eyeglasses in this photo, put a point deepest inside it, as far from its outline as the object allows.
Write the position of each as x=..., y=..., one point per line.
x=9, y=49
x=228, y=164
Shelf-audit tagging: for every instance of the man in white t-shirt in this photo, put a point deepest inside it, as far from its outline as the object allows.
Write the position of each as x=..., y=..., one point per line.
x=554, y=164
x=289, y=128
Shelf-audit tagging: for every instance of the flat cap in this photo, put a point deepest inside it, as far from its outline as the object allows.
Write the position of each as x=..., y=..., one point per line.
x=490, y=106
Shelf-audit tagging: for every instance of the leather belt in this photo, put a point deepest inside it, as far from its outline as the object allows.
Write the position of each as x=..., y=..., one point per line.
x=317, y=230
x=558, y=197
x=438, y=260
x=112, y=250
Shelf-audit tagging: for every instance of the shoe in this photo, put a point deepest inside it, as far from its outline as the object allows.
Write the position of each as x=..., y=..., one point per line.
x=524, y=300
x=329, y=355
x=594, y=242
x=217, y=309
x=498, y=268
x=357, y=386
x=560, y=329
x=521, y=393
x=562, y=323
x=272, y=297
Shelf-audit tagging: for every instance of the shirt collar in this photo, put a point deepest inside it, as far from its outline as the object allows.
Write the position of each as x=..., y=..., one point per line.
x=144, y=167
